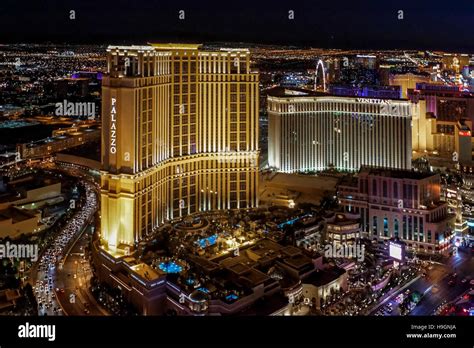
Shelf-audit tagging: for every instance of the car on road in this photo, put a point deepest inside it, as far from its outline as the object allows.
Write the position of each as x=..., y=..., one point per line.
x=464, y=280
x=451, y=282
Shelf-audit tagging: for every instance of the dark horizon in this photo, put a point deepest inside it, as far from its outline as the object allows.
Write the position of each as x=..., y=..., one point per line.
x=426, y=25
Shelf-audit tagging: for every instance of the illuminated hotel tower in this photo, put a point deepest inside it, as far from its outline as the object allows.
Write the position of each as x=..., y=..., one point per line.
x=316, y=131
x=180, y=135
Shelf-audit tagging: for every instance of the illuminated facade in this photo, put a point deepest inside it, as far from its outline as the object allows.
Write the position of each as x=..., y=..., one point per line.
x=180, y=135
x=455, y=62
x=311, y=131
x=342, y=228
x=407, y=81
x=400, y=204
x=446, y=103
x=434, y=132
x=451, y=140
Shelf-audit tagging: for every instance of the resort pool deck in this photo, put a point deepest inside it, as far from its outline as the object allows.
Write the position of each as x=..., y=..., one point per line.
x=170, y=267
x=207, y=241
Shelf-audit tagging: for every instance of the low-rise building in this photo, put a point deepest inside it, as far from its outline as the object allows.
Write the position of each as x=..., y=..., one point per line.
x=324, y=283
x=342, y=228
x=21, y=202
x=28, y=189
x=265, y=278
x=9, y=298
x=15, y=222
x=400, y=204
x=61, y=139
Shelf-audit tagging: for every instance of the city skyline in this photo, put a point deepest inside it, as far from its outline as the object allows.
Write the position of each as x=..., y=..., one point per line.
x=226, y=179
x=236, y=172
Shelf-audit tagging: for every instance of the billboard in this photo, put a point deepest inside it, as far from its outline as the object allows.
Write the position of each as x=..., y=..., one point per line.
x=396, y=251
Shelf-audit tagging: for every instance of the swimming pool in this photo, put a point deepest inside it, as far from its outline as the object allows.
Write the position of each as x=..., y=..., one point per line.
x=231, y=297
x=207, y=241
x=170, y=267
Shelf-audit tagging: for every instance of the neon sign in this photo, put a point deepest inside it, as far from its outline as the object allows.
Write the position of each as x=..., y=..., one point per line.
x=113, y=128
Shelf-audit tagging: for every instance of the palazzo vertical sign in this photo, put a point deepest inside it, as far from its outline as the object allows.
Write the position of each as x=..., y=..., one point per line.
x=113, y=127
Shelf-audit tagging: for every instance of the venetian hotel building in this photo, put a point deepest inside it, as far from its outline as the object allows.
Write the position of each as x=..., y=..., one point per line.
x=313, y=131
x=180, y=135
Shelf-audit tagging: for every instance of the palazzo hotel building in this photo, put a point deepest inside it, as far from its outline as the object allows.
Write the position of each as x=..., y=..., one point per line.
x=180, y=135
x=316, y=131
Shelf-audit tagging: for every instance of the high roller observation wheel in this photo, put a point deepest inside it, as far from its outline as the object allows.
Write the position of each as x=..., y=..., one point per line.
x=320, y=63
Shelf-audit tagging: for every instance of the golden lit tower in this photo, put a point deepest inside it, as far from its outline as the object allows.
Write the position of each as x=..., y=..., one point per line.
x=180, y=135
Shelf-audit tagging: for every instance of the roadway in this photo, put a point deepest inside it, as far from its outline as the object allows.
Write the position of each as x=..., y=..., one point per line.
x=438, y=290
x=43, y=275
x=64, y=282
x=434, y=287
x=74, y=273
x=73, y=279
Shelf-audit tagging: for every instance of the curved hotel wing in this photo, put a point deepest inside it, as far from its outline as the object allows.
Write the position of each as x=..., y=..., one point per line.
x=312, y=131
x=180, y=135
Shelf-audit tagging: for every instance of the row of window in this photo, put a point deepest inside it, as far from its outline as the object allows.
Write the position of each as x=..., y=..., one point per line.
x=342, y=106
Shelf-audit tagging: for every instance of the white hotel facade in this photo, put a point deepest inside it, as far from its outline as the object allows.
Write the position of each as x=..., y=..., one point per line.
x=315, y=131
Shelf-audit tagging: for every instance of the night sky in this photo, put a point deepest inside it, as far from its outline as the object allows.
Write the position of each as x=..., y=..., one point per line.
x=435, y=24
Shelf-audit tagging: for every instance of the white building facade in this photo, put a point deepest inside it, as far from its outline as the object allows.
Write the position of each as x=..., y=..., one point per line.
x=315, y=131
